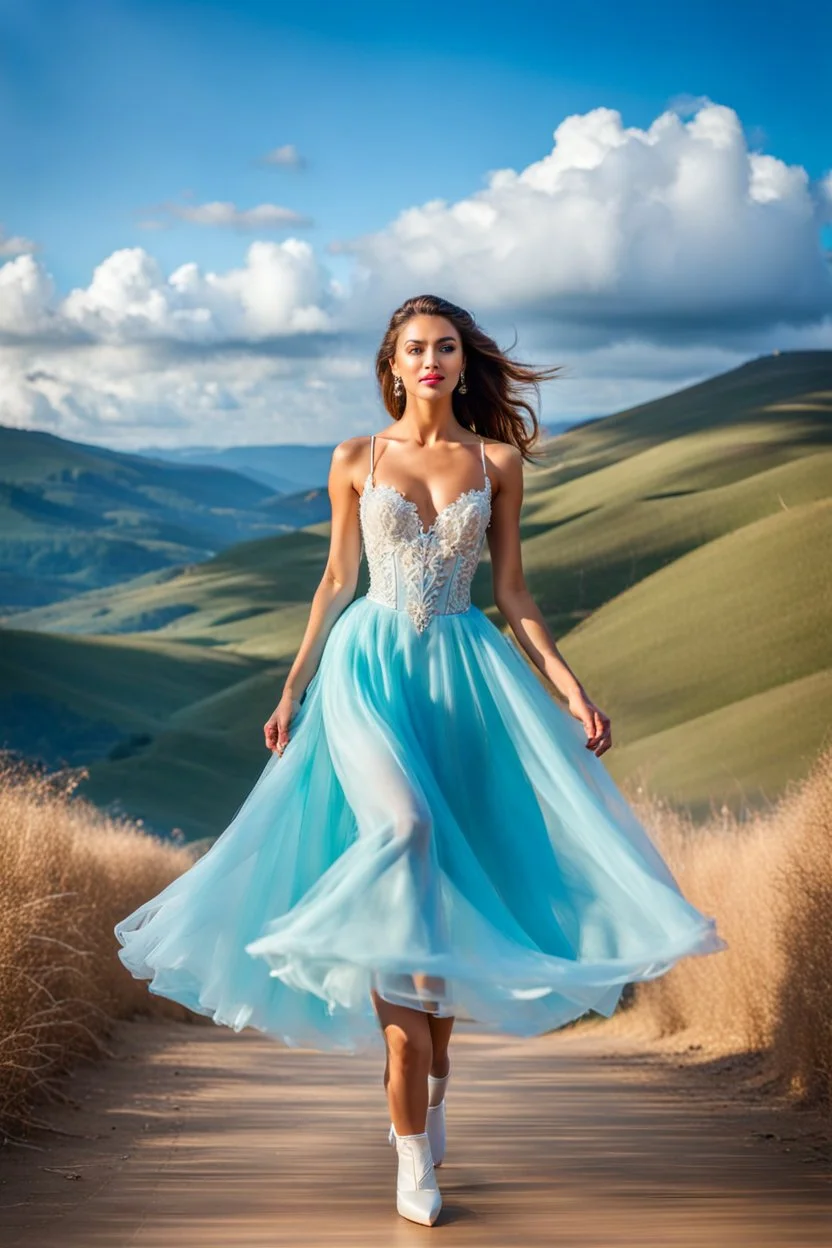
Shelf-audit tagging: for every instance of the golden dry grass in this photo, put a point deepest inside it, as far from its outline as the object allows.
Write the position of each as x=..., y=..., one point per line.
x=68, y=875
x=768, y=882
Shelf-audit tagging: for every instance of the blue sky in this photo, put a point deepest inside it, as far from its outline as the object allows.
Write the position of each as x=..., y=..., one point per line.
x=119, y=114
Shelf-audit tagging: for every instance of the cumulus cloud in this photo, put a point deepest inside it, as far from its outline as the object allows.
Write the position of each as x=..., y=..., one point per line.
x=678, y=228
x=287, y=156
x=26, y=298
x=282, y=289
x=639, y=259
x=133, y=395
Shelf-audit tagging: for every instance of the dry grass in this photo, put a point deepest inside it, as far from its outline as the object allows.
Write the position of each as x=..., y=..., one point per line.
x=768, y=882
x=68, y=874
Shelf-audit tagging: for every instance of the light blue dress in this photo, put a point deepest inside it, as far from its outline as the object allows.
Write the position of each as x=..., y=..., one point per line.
x=436, y=829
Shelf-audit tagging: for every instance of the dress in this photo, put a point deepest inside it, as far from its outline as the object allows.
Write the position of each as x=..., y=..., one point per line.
x=435, y=829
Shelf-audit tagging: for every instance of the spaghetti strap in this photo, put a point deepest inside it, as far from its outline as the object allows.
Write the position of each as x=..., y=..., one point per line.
x=484, y=469
x=372, y=455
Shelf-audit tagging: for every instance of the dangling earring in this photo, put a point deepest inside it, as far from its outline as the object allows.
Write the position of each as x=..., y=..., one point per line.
x=463, y=389
x=398, y=387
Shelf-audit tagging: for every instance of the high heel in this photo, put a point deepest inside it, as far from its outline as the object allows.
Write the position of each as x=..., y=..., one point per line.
x=435, y=1125
x=417, y=1195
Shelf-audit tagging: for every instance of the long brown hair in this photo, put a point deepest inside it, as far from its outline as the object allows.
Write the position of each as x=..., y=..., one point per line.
x=494, y=404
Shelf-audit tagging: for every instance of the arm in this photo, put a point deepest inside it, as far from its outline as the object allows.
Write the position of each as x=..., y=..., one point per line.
x=515, y=602
x=335, y=591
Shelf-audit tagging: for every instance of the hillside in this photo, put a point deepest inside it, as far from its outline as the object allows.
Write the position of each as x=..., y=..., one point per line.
x=679, y=551
x=75, y=516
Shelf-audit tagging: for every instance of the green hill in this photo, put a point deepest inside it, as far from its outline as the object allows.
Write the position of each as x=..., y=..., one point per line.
x=76, y=516
x=245, y=598
x=679, y=550
x=111, y=704
x=700, y=661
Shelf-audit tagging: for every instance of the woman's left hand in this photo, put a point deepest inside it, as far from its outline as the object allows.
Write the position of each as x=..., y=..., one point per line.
x=595, y=722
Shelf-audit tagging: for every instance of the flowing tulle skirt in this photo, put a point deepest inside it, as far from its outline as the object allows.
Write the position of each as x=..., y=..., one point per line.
x=436, y=830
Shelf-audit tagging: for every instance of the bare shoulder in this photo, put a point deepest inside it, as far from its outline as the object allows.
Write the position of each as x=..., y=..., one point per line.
x=505, y=459
x=351, y=459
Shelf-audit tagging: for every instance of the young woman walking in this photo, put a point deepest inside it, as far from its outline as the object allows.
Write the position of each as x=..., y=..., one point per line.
x=434, y=837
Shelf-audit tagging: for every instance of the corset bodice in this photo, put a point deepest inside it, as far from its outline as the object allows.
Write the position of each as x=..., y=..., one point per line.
x=425, y=572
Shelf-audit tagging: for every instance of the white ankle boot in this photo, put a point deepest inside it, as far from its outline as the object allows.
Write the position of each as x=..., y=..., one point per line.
x=417, y=1195
x=435, y=1125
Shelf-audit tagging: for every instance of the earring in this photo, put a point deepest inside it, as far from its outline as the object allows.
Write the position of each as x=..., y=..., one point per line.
x=398, y=387
x=463, y=389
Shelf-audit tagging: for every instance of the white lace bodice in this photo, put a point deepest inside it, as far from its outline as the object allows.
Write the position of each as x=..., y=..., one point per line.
x=425, y=572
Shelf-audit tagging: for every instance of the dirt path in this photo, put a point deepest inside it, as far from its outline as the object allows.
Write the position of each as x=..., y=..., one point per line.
x=197, y=1138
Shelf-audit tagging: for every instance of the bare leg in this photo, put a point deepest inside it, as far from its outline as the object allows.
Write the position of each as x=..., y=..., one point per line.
x=409, y=1045
x=440, y=1034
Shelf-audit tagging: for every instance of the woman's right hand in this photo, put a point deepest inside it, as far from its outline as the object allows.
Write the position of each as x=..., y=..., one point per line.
x=276, y=727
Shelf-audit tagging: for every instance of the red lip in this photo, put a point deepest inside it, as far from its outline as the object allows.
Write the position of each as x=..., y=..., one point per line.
x=433, y=377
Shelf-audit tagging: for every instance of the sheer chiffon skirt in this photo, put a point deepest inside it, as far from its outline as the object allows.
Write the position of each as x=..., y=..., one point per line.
x=435, y=830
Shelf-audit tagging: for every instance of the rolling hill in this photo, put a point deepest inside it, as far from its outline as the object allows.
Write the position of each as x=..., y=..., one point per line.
x=76, y=516
x=680, y=551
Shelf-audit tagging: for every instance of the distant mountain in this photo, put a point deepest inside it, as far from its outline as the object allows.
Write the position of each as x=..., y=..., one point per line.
x=75, y=516
x=285, y=468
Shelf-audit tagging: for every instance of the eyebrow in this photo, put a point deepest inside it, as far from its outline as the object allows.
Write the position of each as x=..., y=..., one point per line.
x=420, y=341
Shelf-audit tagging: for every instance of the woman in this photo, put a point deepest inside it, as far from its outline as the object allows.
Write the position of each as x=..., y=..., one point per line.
x=433, y=838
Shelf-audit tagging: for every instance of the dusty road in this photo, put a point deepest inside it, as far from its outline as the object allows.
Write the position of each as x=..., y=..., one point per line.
x=196, y=1138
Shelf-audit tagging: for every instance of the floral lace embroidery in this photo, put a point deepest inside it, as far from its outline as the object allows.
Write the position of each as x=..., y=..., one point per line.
x=401, y=553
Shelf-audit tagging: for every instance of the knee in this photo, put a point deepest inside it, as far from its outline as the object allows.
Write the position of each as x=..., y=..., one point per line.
x=415, y=828
x=410, y=1050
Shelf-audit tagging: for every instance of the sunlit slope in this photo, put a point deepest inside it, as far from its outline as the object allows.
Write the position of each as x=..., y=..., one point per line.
x=793, y=386
x=590, y=538
x=744, y=615
x=743, y=754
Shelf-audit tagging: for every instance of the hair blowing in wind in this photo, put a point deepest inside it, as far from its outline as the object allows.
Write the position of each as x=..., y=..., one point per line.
x=495, y=405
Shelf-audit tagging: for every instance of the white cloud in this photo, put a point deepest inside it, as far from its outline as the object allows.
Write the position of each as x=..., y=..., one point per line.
x=281, y=290
x=225, y=215
x=678, y=225
x=286, y=156
x=26, y=297
x=15, y=244
x=641, y=260
x=131, y=395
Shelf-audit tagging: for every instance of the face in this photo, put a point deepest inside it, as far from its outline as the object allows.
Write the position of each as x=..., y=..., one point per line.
x=429, y=356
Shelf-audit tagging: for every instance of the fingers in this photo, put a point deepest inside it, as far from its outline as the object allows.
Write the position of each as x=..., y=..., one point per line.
x=277, y=738
x=599, y=732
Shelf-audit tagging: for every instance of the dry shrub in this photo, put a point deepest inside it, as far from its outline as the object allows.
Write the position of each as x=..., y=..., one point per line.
x=803, y=1028
x=68, y=873
x=768, y=882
